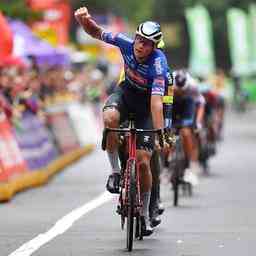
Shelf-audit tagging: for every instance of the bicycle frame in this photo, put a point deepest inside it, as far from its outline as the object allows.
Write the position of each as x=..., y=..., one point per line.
x=132, y=138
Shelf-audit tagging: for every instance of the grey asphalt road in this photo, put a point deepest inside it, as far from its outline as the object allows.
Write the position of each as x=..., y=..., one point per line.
x=220, y=219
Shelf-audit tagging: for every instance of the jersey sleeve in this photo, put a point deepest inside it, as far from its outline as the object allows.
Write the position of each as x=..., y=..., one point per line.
x=159, y=76
x=119, y=40
x=194, y=91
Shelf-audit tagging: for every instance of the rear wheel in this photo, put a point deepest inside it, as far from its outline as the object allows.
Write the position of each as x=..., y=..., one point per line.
x=131, y=205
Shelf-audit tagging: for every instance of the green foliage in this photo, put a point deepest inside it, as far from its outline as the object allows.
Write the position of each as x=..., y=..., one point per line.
x=19, y=10
x=134, y=11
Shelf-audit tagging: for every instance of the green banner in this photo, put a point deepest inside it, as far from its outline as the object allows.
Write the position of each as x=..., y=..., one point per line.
x=252, y=34
x=239, y=41
x=202, y=61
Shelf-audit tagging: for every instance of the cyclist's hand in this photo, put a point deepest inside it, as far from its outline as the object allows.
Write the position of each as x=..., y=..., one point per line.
x=170, y=137
x=164, y=148
x=198, y=127
x=82, y=14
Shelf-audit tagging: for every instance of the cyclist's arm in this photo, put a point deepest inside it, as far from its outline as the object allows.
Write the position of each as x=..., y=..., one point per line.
x=157, y=111
x=158, y=90
x=168, y=101
x=199, y=99
x=88, y=24
x=156, y=103
x=98, y=32
x=200, y=114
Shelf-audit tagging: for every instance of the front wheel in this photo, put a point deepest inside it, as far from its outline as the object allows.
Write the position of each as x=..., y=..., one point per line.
x=131, y=204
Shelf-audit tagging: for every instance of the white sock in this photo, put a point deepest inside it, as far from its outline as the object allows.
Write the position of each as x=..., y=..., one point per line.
x=145, y=200
x=194, y=166
x=114, y=161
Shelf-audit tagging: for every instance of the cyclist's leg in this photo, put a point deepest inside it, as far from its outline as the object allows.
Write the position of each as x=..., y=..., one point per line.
x=188, y=111
x=184, y=116
x=143, y=160
x=113, y=112
x=221, y=111
x=155, y=191
x=145, y=146
x=154, y=166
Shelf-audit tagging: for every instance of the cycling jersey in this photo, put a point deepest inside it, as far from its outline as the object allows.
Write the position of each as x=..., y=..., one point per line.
x=150, y=76
x=190, y=90
x=167, y=99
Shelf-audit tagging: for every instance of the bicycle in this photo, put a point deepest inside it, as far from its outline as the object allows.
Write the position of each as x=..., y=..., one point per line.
x=177, y=165
x=130, y=204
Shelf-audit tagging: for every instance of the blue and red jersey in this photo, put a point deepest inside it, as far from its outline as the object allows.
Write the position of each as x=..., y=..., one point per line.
x=150, y=76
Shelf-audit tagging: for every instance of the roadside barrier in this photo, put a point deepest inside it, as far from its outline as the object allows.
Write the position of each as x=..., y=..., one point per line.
x=35, y=151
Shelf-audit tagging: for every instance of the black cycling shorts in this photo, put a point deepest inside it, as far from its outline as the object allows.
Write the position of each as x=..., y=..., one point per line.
x=127, y=101
x=184, y=112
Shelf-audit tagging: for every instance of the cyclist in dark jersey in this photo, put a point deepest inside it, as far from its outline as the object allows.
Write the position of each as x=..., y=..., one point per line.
x=141, y=93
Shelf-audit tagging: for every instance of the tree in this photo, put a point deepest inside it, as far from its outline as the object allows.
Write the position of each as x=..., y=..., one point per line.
x=18, y=9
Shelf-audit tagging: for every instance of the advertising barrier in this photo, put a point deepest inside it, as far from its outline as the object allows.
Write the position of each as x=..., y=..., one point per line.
x=32, y=151
x=62, y=130
x=84, y=123
x=35, y=141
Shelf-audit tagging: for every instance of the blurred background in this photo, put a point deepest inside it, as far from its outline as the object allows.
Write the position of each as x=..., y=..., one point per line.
x=53, y=81
x=49, y=67
x=205, y=36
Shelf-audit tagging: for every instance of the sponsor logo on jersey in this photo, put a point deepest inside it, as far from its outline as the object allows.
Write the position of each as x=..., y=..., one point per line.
x=135, y=76
x=158, y=66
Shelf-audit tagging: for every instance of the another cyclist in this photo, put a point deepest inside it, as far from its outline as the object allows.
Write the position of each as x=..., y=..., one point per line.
x=156, y=208
x=140, y=93
x=187, y=96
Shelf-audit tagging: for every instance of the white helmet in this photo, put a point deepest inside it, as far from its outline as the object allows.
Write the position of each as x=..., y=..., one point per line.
x=150, y=30
x=181, y=78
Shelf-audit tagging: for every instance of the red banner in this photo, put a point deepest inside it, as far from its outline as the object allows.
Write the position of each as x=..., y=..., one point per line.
x=6, y=42
x=11, y=160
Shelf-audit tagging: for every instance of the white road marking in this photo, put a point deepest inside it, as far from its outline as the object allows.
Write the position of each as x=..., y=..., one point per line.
x=61, y=226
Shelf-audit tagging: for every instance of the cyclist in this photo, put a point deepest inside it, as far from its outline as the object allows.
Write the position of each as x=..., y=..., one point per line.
x=187, y=97
x=141, y=93
x=156, y=208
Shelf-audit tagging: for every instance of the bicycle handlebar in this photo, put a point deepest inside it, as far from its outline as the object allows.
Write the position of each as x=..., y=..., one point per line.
x=130, y=130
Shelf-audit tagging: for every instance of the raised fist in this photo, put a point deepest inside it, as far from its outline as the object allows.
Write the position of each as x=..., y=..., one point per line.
x=82, y=14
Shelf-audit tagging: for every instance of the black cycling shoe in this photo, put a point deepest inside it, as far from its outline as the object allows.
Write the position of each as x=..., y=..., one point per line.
x=155, y=221
x=113, y=183
x=147, y=230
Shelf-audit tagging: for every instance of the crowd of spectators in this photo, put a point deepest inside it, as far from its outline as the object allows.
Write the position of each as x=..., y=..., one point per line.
x=24, y=85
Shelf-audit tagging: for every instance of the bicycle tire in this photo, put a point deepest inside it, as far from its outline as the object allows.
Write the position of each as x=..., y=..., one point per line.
x=176, y=177
x=176, y=189
x=131, y=205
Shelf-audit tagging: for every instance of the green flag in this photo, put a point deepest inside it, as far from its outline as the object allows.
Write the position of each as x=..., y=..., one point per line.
x=252, y=34
x=202, y=60
x=238, y=41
